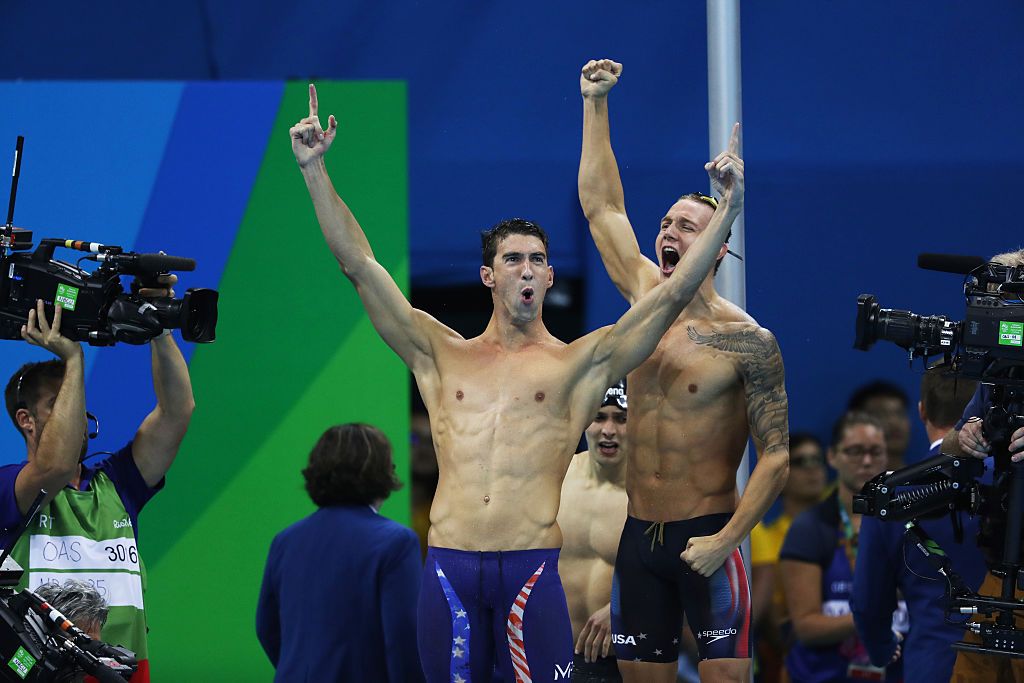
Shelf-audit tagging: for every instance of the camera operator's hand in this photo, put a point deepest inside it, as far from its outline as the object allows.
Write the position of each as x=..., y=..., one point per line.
x=166, y=282
x=1016, y=446
x=39, y=332
x=972, y=442
x=309, y=140
x=899, y=647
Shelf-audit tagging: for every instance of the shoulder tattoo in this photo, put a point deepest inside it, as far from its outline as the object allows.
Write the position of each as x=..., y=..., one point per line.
x=760, y=363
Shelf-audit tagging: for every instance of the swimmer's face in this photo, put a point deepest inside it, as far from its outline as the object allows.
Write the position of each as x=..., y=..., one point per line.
x=685, y=220
x=519, y=276
x=606, y=436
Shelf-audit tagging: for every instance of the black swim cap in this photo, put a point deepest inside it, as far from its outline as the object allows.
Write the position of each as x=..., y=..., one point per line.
x=616, y=395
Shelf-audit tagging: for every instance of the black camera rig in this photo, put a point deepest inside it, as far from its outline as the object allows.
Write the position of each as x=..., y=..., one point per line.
x=38, y=643
x=986, y=346
x=96, y=307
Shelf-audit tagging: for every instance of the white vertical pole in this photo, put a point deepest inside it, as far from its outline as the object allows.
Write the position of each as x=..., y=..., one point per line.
x=725, y=109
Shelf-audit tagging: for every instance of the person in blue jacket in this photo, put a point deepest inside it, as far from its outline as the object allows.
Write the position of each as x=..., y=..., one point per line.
x=887, y=562
x=338, y=601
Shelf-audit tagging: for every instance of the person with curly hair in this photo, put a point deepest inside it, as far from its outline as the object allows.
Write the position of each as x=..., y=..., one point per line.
x=338, y=601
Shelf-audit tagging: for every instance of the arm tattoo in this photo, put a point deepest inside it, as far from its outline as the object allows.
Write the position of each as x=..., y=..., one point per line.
x=764, y=378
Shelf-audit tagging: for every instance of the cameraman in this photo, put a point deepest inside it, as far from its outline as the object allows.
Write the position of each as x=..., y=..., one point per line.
x=86, y=526
x=886, y=562
x=967, y=438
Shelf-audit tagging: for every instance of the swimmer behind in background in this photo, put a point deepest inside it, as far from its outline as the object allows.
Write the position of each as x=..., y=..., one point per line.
x=591, y=516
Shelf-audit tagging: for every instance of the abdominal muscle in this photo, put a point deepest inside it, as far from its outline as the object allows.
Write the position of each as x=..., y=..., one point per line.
x=506, y=499
x=684, y=454
x=511, y=519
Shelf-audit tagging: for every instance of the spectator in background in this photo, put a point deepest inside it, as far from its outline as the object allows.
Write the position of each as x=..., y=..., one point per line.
x=887, y=562
x=338, y=601
x=804, y=488
x=817, y=560
x=891, y=405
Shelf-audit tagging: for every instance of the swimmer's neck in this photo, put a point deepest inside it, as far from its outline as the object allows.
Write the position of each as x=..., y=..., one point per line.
x=509, y=334
x=704, y=301
x=610, y=474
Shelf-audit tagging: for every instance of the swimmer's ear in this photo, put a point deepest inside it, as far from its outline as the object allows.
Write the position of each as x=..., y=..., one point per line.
x=551, y=277
x=487, y=276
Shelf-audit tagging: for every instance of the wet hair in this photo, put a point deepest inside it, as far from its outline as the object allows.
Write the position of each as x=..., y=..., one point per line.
x=713, y=203
x=350, y=465
x=491, y=238
x=878, y=388
x=944, y=396
x=78, y=600
x=797, y=439
x=25, y=386
x=852, y=419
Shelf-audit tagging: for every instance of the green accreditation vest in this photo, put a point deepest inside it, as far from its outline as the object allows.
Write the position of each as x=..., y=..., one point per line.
x=88, y=536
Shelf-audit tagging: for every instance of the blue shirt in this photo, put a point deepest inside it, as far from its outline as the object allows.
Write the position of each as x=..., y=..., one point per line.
x=338, y=601
x=887, y=561
x=119, y=467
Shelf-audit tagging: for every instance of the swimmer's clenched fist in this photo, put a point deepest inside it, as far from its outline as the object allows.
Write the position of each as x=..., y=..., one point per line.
x=599, y=76
x=309, y=140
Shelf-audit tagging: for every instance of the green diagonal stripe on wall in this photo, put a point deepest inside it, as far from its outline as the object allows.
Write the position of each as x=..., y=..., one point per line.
x=285, y=308
x=265, y=496
x=295, y=353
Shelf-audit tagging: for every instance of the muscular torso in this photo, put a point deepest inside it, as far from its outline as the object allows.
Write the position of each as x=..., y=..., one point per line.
x=591, y=519
x=504, y=428
x=688, y=421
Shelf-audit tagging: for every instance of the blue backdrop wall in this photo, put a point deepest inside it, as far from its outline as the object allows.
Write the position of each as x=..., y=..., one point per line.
x=873, y=131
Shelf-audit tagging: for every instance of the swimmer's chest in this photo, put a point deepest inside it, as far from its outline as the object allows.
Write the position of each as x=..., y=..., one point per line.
x=591, y=521
x=520, y=385
x=687, y=374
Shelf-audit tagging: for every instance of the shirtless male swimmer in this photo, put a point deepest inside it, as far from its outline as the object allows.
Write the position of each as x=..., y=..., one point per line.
x=591, y=516
x=715, y=378
x=506, y=411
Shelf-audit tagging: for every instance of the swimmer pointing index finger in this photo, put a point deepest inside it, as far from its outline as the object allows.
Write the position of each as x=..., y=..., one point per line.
x=506, y=411
x=681, y=474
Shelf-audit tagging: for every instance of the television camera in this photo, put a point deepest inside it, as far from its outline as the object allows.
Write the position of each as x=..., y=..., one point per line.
x=985, y=346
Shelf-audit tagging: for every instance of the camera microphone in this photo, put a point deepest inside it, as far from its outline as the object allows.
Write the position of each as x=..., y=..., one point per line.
x=132, y=263
x=950, y=263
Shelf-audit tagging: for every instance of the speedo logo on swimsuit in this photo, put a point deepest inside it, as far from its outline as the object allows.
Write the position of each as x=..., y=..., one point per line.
x=717, y=635
x=622, y=639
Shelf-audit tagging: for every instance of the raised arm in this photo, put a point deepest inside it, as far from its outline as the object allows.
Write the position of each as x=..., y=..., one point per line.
x=159, y=436
x=403, y=328
x=600, y=187
x=637, y=333
x=54, y=452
